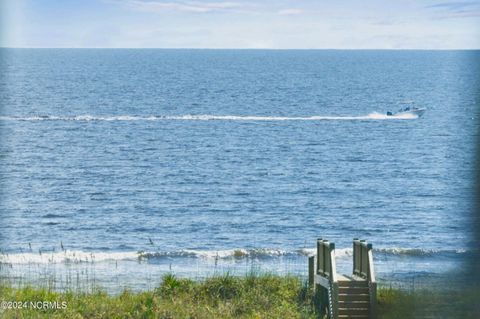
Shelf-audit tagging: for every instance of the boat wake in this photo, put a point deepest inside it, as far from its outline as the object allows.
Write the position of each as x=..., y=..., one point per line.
x=206, y=117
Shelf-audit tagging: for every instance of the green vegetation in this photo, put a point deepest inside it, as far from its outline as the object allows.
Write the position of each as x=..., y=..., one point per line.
x=252, y=296
x=226, y=296
x=427, y=303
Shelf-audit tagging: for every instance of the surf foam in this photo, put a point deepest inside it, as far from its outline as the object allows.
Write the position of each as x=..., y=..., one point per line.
x=69, y=256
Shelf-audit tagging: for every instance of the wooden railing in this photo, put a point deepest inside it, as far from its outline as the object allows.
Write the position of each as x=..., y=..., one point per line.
x=323, y=273
x=363, y=267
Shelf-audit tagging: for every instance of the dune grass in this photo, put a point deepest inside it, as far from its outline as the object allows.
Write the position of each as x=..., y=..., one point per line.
x=226, y=296
x=429, y=303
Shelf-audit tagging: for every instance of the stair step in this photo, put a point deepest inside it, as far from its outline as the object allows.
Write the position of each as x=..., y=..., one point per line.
x=353, y=287
x=353, y=304
x=353, y=290
x=353, y=283
x=353, y=311
x=354, y=316
x=353, y=297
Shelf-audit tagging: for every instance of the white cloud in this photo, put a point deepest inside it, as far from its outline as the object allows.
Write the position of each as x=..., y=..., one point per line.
x=188, y=6
x=198, y=6
x=289, y=12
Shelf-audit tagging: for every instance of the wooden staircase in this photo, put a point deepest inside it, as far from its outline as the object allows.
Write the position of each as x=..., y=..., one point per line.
x=353, y=298
x=342, y=296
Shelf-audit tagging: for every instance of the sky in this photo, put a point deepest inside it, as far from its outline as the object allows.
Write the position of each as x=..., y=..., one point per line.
x=263, y=24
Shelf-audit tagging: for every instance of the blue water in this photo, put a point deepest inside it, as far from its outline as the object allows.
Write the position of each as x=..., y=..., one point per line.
x=189, y=155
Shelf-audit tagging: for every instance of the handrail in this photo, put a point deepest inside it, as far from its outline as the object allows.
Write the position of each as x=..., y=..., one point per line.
x=326, y=269
x=372, y=285
x=333, y=282
x=322, y=275
x=333, y=264
x=326, y=265
x=363, y=267
x=371, y=272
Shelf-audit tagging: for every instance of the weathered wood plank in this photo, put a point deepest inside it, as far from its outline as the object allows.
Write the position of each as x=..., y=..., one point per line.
x=322, y=281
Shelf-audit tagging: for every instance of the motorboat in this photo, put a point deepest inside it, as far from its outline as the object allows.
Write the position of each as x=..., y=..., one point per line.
x=416, y=111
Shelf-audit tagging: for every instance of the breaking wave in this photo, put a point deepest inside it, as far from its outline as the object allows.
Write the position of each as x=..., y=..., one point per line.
x=204, y=117
x=419, y=251
x=69, y=256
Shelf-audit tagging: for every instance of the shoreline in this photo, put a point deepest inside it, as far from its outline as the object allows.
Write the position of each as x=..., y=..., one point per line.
x=138, y=276
x=141, y=271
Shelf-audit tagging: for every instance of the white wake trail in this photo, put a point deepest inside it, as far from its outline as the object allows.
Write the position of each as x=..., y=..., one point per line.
x=206, y=117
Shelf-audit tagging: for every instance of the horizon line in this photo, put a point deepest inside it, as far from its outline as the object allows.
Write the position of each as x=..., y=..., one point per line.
x=252, y=49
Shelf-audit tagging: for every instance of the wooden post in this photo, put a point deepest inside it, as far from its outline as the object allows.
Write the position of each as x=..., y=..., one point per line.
x=333, y=279
x=311, y=272
x=372, y=282
x=363, y=259
x=373, y=300
x=326, y=258
x=356, y=256
x=320, y=297
x=319, y=256
x=363, y=267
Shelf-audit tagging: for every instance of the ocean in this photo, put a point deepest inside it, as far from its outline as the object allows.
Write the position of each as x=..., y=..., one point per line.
x=119, y=165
